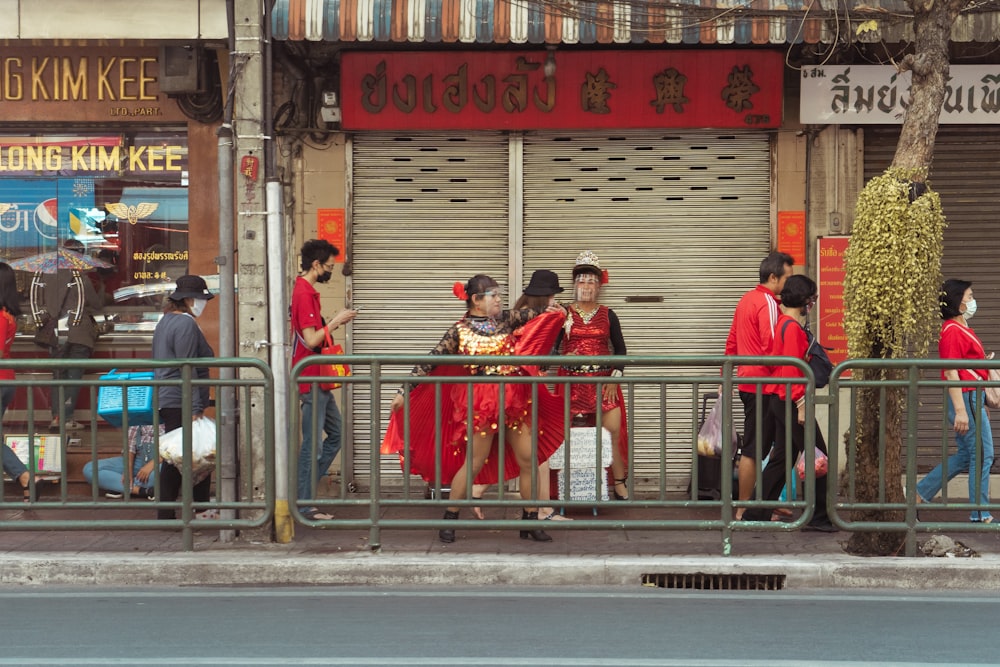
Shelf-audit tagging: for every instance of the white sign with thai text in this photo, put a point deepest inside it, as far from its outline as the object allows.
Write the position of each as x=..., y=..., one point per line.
x=879, y=95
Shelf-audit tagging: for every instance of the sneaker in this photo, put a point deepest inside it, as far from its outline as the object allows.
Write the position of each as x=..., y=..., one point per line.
x=71, y=425
x=54, y=425
x=114, y=495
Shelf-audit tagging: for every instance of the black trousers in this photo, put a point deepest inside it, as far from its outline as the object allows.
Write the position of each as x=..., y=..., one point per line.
x=751, y=447
x=773, y=477
x=170, y=476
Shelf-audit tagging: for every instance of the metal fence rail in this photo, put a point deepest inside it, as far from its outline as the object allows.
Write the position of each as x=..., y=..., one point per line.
x=912, y=375
x=382, y=507
x=90, y=510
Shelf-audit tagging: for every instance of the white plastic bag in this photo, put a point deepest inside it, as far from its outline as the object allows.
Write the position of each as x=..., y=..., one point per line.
x=202, y=445
x=710, y=435
x=822, y=464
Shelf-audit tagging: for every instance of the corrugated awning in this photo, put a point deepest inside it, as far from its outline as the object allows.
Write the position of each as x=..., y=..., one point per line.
x=686, y=22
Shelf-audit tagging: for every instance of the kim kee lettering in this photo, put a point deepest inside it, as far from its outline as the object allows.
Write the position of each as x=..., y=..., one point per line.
x=91, y=158
x=77, y=79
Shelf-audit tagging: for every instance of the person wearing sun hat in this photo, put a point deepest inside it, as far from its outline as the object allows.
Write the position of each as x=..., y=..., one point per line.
x=178, y=336
x=594, y=329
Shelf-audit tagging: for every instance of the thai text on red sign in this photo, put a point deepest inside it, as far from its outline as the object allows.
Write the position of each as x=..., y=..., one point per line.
x=577, y=90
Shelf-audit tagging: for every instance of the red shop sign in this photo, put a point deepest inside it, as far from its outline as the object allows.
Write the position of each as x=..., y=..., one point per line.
x=592, y=89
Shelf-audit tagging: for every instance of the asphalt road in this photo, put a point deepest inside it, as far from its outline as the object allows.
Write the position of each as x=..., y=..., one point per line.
x=484, y=627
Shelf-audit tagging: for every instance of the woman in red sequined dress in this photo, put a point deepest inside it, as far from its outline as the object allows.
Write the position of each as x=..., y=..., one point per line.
x=593, y=329
x=485, y=329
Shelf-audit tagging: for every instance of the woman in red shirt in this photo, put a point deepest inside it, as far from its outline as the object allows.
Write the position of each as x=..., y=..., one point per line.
x=790, y=340
x=10, y=309
x=966, y=408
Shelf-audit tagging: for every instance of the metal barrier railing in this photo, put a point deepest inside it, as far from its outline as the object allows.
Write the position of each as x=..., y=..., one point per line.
x=911, y=376
x=654, y=378
x=76, y=511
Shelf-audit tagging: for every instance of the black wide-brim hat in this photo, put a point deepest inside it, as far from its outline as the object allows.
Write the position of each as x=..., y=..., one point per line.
x=543, y=283
x=191, y=287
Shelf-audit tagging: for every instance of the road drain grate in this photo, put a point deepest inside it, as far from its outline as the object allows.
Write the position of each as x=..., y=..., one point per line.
x=716, y=582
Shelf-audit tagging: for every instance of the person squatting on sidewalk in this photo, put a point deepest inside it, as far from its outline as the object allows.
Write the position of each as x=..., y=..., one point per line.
x=485, y=329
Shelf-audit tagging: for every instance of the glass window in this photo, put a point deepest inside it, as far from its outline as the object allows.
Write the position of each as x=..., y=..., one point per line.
x=112, y=206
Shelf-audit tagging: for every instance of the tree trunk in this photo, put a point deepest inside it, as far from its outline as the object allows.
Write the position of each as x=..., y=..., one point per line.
x=928, y=63
x=929, y=69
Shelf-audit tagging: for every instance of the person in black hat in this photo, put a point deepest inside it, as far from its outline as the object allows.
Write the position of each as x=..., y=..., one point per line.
x=178, y=336
x=539, y=294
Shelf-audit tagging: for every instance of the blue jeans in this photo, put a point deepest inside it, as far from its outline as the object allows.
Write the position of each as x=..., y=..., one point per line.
x=68, y=351
x=314, y=465
x=11, y=464
x=110, y=471
x=964, y=460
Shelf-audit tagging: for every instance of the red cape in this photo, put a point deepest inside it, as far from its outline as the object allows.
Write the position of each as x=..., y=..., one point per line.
x=537, y=337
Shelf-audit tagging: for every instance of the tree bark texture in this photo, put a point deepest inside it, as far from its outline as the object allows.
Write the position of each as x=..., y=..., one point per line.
x=929, y=69
x=869, y=487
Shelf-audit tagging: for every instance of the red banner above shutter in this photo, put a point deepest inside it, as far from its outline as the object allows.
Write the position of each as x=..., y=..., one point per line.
x=585, y=90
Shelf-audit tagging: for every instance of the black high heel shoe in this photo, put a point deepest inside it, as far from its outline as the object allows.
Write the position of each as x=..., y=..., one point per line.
x=538, y=535
x=621, y=481
x=447, y=535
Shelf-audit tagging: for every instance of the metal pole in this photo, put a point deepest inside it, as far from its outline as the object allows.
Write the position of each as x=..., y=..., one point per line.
x=225, y=396
x=284, y=528
x=225, y=400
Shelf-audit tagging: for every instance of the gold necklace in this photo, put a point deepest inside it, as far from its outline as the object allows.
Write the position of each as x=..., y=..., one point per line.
x=586, y=317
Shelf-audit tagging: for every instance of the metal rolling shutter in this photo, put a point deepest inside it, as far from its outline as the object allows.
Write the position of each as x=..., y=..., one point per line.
x=965, y=173
x=427, y=210
x=680, y=219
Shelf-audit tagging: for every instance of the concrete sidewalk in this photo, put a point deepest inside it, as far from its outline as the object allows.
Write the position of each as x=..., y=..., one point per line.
x=615, y=557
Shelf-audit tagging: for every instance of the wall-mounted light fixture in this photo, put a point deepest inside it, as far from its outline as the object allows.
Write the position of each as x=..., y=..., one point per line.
x=550, y=61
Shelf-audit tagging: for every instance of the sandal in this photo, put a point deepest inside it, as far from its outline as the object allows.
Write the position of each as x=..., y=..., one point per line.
x=316, y=514
x=621, y=481
x=478, y=511
x=207, y=514
x=553, y=516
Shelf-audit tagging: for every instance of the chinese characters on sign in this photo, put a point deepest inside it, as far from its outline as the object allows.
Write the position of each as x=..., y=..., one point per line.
x=792, y=234
x=330, y=227
x=874, y=94
x=511, y=90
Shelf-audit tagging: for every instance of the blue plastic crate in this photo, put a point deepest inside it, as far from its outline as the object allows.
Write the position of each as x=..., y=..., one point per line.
x=140, y=400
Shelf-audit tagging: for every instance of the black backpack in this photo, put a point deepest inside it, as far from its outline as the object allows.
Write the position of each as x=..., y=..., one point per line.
x=816, y=357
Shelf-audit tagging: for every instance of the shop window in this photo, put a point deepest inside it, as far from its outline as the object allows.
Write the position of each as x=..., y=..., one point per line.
x=112, y=207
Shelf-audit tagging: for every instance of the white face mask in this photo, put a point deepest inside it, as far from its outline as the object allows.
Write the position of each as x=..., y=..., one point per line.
x=198, y=307
x=970, y=309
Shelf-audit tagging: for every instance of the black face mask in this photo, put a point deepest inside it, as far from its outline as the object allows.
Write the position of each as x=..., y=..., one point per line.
x=325, y=278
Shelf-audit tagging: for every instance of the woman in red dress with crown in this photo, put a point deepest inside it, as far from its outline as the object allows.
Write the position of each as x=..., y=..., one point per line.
x=485, y=329
x=593, y=329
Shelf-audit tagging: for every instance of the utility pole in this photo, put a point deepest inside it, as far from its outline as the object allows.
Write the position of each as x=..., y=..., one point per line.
x=251, y=215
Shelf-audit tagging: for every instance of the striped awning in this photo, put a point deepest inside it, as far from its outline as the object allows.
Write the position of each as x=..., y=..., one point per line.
x=604, y=21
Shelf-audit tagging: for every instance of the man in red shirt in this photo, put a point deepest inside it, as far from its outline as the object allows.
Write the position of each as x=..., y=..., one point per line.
x=750, y=335
x=309, y=332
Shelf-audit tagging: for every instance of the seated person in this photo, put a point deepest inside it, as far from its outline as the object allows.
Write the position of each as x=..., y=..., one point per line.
x=142, y=464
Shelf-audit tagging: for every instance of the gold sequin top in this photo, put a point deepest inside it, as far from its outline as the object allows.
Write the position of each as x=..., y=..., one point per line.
x=473, y=336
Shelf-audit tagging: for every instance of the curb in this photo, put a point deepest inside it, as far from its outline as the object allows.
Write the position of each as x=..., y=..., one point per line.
x=367, y=569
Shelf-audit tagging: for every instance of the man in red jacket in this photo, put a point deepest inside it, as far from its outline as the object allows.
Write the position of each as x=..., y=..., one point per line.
x=750, y=335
